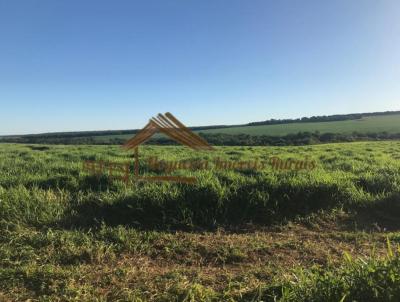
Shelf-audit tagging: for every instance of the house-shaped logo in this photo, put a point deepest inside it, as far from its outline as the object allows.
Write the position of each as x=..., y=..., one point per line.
x=174, y=129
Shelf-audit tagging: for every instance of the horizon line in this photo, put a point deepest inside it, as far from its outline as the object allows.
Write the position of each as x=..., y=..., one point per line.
x=214, y=125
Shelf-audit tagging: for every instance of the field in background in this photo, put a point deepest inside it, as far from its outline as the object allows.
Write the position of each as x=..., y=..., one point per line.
x=372, y=124
x=346, y=128
x=324, y=235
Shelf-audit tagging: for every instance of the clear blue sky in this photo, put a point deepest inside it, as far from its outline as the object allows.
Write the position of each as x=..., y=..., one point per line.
x=72, y=65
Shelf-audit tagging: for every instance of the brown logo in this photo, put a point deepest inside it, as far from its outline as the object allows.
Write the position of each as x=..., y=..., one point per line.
x=173, y=128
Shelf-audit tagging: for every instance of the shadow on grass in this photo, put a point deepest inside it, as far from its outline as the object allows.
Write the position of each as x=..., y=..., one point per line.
x=203, y=210
x=194, y=208
x=44, y=281
x=39, y=148
x=382, y=215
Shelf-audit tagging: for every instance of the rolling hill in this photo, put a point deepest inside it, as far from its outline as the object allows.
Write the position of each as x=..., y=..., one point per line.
x=351, y=127
x=371, y=124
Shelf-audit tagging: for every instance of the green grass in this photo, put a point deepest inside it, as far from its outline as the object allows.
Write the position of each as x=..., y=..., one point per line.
x=266, y=235
x=371, y=127
x=372, y=124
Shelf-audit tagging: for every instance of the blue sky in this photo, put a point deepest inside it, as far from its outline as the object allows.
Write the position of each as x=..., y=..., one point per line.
x=95, y=65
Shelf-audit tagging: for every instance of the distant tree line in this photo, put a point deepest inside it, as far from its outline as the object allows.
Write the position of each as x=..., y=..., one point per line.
x=58, y=135
x=86, y=136
x=222, y=139
x=296, y=139
x=323, y=118
x=301, y=138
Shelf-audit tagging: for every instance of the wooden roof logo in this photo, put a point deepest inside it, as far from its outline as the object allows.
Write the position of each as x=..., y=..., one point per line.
x=173, y=128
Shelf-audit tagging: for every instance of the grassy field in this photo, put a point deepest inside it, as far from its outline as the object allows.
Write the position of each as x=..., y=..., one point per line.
x=330, y=234
x=377, y=127
x=373, y=124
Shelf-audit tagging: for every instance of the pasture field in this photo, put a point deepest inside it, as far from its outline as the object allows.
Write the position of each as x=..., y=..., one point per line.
x=377, y=127
x=329, y=234
x=370, y=124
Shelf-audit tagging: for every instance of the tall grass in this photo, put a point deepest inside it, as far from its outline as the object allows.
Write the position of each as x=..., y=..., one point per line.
x=50, y=186
x=371, y=279
x=58, y=223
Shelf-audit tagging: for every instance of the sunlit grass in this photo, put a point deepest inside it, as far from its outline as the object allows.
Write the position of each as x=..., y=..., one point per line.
x=233, y=236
